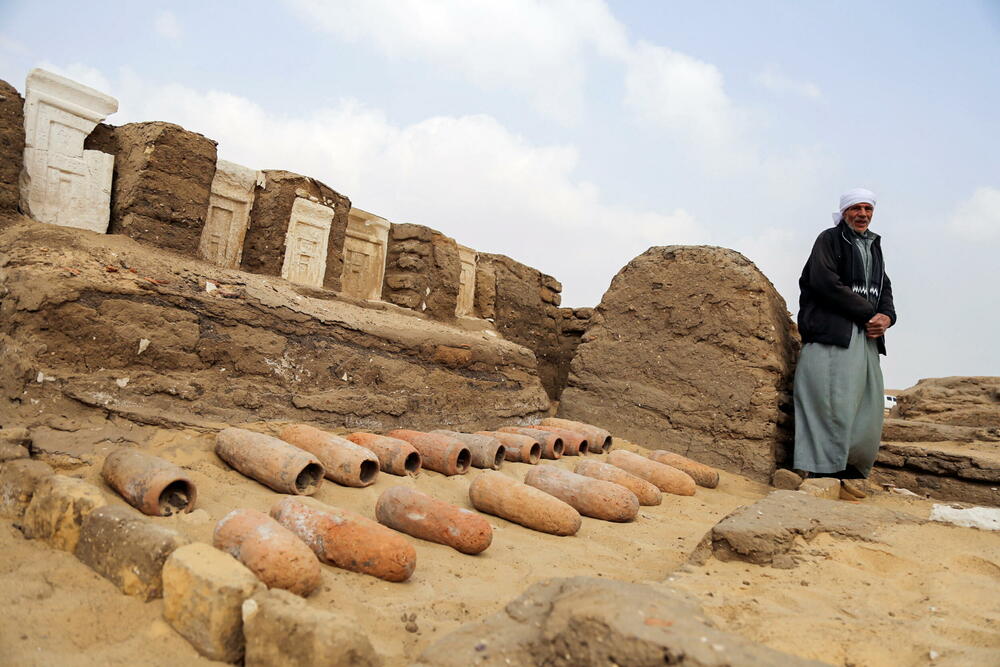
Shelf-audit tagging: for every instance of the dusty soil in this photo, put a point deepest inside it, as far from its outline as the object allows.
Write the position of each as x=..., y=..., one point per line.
x=918, y=588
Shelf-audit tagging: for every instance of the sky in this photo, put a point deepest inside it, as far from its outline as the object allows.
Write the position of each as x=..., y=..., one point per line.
x=572, y=135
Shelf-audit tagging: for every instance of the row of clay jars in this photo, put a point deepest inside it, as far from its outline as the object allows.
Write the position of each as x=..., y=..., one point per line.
x=273, y=462
x=591, y=497
x=275, y=554
x=574, y=443
x=519, y=448
x=438, y=452
x=486, y=450
x=664, y=477
x=551, y=444
x=645, y=492
x=150, y=484
x=428, y=518
x=395, y=456
x=347, y=539
x=344, y=462
x=598, y=439
x=702, y=474
x=496, y=493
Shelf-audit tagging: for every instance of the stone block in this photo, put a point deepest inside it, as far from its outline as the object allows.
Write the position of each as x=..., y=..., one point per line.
x=163, y=180
x=821, y=487
x=61, y=182
x=58, y=508
x=228, y=215
x=15, y=443
x=203, y=594
x=783, y=478
x=123, y=546
x=433, y=287
x=18, y=480
x=283, y=630
x=466, y=282
x=364, y=255
x=11, y=145
x=264, y=247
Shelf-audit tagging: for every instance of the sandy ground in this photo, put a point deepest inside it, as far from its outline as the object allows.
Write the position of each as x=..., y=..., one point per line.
x=925, y=588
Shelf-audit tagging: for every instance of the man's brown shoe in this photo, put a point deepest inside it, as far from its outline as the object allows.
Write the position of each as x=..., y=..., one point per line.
x=853, y=488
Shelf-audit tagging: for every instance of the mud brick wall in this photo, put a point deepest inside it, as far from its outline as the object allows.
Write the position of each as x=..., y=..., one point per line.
x=573, y=324
x=524, y=305
x=422, y=271
x=162, y=182
x=11, y=145
x=264, y=244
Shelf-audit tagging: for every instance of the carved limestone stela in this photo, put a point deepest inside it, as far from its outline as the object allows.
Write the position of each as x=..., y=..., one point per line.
x=228, y=213
x=466, y=281
x=61, y=183
x=306, y=243
x=364, y=255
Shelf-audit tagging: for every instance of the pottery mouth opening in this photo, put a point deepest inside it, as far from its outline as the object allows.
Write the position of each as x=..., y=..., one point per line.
x=176, y=497
x=310, y=477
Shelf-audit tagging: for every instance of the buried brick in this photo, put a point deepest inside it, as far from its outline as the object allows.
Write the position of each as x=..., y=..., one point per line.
x=57, y=510
x=18, y=480
x=203, y=593
x=127, y=549
x=283, y=629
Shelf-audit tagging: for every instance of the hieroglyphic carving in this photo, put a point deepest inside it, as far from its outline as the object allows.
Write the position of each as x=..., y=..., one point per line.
x=306, y=243
x=364, y=255
x=228, y=213
x=466, y=281
x=62, y=183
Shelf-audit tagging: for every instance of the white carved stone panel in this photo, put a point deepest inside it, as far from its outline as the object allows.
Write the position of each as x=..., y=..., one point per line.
x=62, y=183
x=306, y=243
x=228, y=213
x=364, y=255
x=466, y=281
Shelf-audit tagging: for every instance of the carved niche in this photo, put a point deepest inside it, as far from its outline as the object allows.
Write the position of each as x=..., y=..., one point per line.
x=466, y=282
x=62, y=183
x=364, y=255
x=228, y=213
x=306, y=243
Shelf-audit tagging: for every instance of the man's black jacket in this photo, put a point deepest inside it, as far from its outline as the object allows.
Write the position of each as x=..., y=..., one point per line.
x=832, y=289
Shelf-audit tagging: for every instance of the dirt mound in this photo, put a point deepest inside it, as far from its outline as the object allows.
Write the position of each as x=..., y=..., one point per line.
x=959, y=401
x=691, y=350
x=101, y=321
x=589, y=621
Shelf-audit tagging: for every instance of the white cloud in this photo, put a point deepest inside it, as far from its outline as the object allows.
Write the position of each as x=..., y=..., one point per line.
x=166, y=25
x=978, y=218
x=81, y=73
x=531, y=48
x=776, y=82
x=469, y=177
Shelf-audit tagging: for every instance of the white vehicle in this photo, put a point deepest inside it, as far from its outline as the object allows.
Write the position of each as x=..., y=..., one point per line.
x=890, y=402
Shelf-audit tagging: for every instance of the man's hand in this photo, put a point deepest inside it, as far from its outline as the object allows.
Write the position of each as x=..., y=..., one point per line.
x=877, y=325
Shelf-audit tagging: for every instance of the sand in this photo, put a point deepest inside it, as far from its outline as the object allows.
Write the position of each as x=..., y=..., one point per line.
x=925, y=588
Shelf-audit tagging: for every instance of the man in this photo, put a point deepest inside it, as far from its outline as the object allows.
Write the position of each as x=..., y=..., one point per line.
x=845, y=307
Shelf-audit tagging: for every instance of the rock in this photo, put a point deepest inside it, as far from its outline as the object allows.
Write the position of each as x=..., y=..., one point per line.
x=523, y=304
x=11, y=145
x=957, y=401
x=203, y=594
x=765, y=532
x=282, y=630
x=821, y=487
x=783, y=478
x=58, y=508
x=911, y=430
x=163, y=180
x=10, y=452
x=594, y=622
x=968, y=472
x=939, y=486
x=264, y=244
x=121, y=545
x=422, y=271
x=270, y=355
x=692, y=350
x=18, y=480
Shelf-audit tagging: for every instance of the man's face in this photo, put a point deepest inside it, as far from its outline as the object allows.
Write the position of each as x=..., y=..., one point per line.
x=859, y=216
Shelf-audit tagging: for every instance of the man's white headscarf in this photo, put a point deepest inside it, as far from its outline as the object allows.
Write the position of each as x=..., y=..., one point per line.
x=852, y=197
